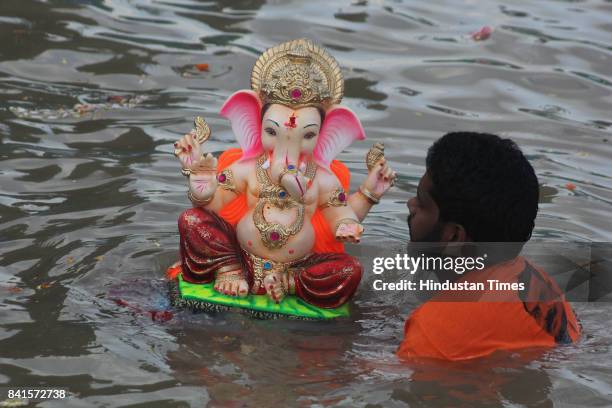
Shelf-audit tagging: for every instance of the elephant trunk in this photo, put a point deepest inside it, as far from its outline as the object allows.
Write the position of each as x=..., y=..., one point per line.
x=287, y=156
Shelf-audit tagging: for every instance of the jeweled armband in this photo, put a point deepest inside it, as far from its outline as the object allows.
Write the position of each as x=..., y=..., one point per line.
x=336, y=199
x=226, y=180
x=369, y=195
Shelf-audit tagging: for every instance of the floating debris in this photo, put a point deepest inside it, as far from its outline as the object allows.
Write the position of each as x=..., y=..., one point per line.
x=482, y=34
x=201, y=67
x=13, y=402
x=80, y=109
x=247, y=349
x=156, y=315
x=570, y=186
x=15, y=289
x=161, y=315
x=116, y=99
x=83, y=108
x=45, y=285
x=192, y=70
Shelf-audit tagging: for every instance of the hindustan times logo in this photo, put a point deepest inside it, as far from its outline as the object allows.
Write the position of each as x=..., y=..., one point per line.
x=413, y=264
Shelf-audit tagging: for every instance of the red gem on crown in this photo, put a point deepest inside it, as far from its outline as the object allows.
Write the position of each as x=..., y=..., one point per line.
x=296, y=93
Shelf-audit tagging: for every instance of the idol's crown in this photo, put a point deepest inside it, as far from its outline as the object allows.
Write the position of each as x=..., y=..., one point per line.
x=298, y=73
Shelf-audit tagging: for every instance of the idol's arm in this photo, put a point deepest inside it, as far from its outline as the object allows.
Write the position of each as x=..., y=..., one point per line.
x=344, y=223
x=360, y=204
x=208, y=189
x=213, y=191
x=380, y=178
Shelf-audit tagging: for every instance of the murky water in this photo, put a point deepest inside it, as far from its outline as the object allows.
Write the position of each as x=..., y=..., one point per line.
x=93, y=93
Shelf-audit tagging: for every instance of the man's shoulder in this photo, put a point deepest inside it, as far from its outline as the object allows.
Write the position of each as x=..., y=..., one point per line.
x=545, y=303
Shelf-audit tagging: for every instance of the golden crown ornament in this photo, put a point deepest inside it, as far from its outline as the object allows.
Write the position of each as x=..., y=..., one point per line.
x=297, y=74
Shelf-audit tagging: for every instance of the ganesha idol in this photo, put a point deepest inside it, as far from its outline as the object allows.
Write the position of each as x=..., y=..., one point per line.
x=272, y=217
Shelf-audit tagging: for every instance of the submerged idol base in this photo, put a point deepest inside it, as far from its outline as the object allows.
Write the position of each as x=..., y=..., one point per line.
x=202, y=297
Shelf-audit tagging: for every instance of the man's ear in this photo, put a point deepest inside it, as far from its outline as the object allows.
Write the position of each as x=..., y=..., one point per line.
x=453, y=232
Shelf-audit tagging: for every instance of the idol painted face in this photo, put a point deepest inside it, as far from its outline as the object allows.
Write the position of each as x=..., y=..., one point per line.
x=424, y=220
x=290, y=134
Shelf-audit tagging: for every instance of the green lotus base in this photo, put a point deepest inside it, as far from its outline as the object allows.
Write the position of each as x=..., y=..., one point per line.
x=202, y=297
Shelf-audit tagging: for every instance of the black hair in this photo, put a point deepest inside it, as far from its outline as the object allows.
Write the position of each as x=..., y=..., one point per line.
x=267, y=106
x=485, y=184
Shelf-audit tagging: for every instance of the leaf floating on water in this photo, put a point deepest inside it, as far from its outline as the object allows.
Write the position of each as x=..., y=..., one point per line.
x=482, y=34
x=201, y=67
x=570, y=186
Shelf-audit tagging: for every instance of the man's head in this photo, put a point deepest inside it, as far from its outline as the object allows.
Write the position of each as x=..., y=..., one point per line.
x=477, y=187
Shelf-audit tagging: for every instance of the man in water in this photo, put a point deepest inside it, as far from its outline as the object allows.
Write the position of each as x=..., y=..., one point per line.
x=479, y=188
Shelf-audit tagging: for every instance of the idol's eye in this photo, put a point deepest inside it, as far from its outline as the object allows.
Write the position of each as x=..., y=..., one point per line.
x=309, y=135
x=271, y=131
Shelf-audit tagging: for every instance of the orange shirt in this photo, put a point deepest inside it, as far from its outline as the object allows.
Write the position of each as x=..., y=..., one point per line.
x=507, y=320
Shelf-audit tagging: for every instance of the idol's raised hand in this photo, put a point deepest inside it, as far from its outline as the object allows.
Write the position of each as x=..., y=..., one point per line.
x=201, y=169
x=188, y=148
x=188, y=151
x=381, y=176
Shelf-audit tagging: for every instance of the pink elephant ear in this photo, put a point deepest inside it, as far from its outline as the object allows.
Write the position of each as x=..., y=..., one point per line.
x=341, y=127
x=243, y=109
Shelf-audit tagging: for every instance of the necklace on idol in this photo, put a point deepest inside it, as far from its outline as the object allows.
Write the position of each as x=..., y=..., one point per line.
x=274, y=235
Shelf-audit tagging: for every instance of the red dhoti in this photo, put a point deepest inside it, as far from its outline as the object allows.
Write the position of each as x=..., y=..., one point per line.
x=209, y=245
